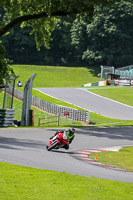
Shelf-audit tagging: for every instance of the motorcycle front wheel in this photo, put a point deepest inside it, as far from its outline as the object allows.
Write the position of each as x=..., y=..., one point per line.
x=53, y=145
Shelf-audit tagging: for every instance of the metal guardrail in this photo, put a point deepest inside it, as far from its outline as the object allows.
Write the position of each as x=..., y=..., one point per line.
x=6, y=117
x=74, y=114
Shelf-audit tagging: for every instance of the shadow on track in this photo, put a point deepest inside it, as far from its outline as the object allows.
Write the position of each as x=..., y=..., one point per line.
x=63, y=152
x=108, y=132
x=13, y=143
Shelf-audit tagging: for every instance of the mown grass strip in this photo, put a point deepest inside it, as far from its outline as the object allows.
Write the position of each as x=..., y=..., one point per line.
x=122, y=159
x=121, y=94
x=53, y=76
x=17, y=104
x=95, y=118
x=21, y=183
x=53, y=100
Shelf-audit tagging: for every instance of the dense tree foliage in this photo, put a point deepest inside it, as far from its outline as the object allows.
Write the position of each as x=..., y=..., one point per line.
x=79, y=37
x=110, y=35
x=104, y=39
x=19, y=43
x=42, y=15
x=21, y=47
x=77, y=32
x=4, y=67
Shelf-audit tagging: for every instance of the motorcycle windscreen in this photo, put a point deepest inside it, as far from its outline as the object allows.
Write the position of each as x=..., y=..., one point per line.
x=65, y=137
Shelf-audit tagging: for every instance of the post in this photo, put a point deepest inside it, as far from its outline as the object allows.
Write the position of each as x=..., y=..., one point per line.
x=58, y=119
x=25, y=119
x=10, y=83
x=39, y=120
x=87, y=117
x=113, y=70
x=13, y=92
x=31, y=118
x=101, y=72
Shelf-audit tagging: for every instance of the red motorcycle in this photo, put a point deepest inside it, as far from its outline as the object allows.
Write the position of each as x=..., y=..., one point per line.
x=57, y=141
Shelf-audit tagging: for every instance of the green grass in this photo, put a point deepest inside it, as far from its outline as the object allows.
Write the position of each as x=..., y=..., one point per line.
x=17, y=104
x=51, y=76
x=122, y=94
x=53, y=100
x=122, y=159
x=18, y=182
x=25, y=183
x=99, y=120
x=54, y=76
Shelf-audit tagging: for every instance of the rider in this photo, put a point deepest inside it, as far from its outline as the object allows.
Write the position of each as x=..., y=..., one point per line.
x=70, y=133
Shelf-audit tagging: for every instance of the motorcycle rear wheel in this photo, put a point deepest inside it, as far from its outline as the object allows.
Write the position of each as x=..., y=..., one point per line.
x=53, y=145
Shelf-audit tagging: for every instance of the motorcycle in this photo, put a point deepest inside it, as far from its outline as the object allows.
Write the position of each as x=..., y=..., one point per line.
x=57, y=141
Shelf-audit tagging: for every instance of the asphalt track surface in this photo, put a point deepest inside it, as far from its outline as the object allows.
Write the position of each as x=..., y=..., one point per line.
x=27, y=147
x=91, y=102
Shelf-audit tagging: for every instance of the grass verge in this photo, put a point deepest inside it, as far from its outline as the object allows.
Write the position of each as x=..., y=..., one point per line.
x=53, y=100
x=21, y=183
x=121, y=94
x=122, y=159
x=97, y=119
x=53, y=76
x=17, y=105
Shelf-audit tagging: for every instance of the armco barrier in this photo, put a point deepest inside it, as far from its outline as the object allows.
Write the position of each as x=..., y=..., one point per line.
x=6, y=117
x=74, y=114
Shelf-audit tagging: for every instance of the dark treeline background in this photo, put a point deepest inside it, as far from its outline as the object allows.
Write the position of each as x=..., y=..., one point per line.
x=107, y=39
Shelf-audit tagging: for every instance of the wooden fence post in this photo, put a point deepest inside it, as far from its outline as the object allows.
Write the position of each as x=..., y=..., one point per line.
x=39, y=121
x=58, y=117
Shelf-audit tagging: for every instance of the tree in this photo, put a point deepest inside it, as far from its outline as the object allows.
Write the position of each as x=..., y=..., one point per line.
x=110, y=35
x=19, y=43
x=60, y=47
x=4, y=67
x=42, y=15
x=79, y=35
